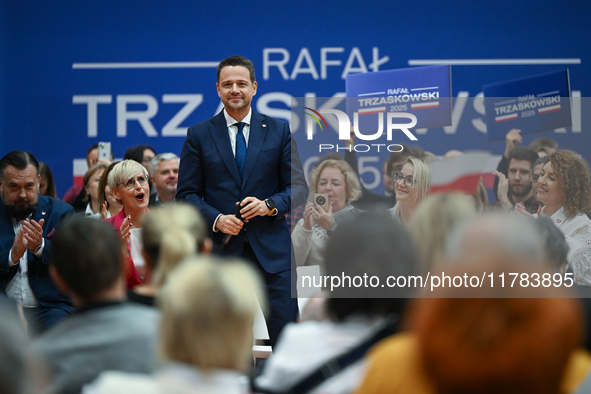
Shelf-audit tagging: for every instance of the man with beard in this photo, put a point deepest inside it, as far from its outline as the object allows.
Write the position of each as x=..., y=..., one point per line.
x=27, y=224
x=517, y=187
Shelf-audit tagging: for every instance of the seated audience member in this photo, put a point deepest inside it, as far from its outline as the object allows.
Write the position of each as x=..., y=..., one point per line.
x=106, y=333
x=535, y=176
x=28, y=225
x=74, y=191
x=512, y=344
x=91, y=182
x=359, y=317
x=294, y=216
x=128, y=181
x=208, y=307
x=46, y=184
x=517, y=187
x=337, y=180
x=143, y=154
x=412, y=186
x=432, y=222
x=164, y=174
x=564, y=188
x=502, y=342
x=370, y=201
x=109, y=206
x=541, y=146
x=169, y=234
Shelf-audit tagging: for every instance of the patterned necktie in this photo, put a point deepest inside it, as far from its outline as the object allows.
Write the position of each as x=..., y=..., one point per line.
x=240, y=149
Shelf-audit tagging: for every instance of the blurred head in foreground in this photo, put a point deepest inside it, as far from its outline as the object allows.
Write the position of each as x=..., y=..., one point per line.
x=369, y=245
x=169, y=235
x=208, y=307
x=495, y=339
x=432, y=222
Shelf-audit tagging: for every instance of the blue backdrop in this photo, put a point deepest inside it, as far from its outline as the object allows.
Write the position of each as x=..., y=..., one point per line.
x=55, y=71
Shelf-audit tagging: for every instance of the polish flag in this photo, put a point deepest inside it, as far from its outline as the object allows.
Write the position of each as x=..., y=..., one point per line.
x=505, y=118
x=551, y=108
x=462, y=173
x=432, y=104
x=373, y=110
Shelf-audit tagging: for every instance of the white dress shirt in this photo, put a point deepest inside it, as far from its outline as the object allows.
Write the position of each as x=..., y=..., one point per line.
x=233, y=132
x=19, y=289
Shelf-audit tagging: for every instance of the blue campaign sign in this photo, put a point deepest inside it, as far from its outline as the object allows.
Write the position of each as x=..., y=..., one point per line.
x=533, y=104
x=422, y=91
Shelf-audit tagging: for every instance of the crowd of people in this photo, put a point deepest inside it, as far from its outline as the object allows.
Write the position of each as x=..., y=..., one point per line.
x=148, y=277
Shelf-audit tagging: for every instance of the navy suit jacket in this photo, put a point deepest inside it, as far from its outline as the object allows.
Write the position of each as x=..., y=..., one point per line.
x=209, y=179
x=46, y=293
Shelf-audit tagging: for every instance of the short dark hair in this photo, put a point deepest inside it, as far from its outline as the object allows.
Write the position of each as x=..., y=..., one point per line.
x=540, y=160
x=237, y=61
x=46, y=173
x=374, y=245
x=523, y=153
x=543, y=142
x=95, y=146
x=19, y=159
x=136, y=153
x=86, y=253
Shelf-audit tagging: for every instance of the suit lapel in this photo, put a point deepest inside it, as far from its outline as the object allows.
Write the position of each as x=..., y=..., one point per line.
x=221, y=139
x=42, y=212
x=255, y=143
x=6, y=229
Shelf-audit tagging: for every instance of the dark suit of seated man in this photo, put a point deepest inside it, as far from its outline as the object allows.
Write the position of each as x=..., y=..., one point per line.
x=27, y=224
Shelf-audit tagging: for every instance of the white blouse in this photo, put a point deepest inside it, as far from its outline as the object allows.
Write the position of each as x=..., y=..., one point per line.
x=577, y=232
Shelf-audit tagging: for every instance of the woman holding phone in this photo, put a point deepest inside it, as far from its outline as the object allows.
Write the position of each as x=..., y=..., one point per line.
x=333, y=186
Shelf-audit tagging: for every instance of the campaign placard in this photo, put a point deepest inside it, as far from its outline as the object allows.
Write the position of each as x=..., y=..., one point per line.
x=533, y=104
x=420, y=91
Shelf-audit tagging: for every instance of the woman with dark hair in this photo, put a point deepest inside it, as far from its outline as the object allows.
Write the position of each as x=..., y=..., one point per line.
x=108, y=205
x=47, y=185
x=564, y=188
x=143, y=154
x=91, y=182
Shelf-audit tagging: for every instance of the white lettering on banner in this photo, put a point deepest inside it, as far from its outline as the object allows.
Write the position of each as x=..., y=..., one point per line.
x=92, y=103
x=280, y=64
x=349, y=69
x=193, y=101
x=456, y=114
x=143, y=117
x=284, y=98
x=298, y=69
x=478, y=103
x=324, y=62
x=525, y=105
x=310, y=102
x=170, y=129
x=355, y=62
x=368, y=102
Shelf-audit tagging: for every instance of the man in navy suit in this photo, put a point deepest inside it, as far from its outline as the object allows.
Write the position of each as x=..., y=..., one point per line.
x=27, y=223
x=241, y=157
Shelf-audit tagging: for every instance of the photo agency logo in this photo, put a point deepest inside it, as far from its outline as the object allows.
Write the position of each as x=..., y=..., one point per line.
x=390, y=124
